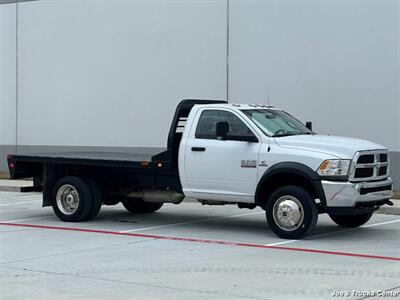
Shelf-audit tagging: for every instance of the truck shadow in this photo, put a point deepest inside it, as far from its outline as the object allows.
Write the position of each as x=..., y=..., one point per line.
x=254, y=225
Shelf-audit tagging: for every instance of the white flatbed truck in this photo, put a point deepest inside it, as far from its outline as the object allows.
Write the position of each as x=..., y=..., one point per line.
x=220, y=153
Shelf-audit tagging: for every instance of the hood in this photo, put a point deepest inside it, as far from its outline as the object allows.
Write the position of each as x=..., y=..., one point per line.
x=342, y=147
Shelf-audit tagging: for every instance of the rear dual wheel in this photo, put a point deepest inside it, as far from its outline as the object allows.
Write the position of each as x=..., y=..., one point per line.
x=76, y=199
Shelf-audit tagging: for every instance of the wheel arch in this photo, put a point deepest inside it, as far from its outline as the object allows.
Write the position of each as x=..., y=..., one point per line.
x=288, y=173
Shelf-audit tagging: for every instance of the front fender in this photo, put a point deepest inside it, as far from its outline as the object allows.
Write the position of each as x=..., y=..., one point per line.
x=294, y=168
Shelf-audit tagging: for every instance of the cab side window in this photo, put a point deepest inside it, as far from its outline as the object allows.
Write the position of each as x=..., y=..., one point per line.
x=206, y=127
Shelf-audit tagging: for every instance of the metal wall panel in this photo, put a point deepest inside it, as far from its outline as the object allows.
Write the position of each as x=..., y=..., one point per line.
x=7, y=74
x=334, y=62
x=108, y=73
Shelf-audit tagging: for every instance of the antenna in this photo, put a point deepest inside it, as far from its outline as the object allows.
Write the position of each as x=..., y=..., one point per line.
x=269, y=139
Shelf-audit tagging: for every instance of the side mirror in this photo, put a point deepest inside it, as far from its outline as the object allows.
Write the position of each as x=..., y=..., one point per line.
x=222, y=130
x=309, y=125
x=248, y=138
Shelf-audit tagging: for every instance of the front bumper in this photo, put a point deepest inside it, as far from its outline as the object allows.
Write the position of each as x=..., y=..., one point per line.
x=349, y=194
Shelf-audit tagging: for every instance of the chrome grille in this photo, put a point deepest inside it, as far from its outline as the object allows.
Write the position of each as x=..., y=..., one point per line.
x=369, y=166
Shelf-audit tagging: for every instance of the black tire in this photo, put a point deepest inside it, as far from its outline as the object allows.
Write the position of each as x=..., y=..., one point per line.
x=351, y=221
x=306, y=210
x=140, y=207
x=72, y=186
x=97, y=198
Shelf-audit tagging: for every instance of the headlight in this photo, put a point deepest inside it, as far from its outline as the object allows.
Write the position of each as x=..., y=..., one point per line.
x=334, y=167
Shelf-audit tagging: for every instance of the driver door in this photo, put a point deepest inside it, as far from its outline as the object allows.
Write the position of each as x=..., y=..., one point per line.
x=221, y=169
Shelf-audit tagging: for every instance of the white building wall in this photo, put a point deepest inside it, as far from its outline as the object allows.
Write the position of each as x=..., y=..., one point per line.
x=7, y=75
x=110, y=73
x=336, y=63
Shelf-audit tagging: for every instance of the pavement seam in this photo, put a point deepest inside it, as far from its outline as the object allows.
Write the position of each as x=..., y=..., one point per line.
x=136, y=283
x=75, y=251
x=28, y=219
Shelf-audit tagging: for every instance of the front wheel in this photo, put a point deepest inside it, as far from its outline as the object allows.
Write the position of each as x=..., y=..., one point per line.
x=291, y=212
x=351, y=221
x=140, y=207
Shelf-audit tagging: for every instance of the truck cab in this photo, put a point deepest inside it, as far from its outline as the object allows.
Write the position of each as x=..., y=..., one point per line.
x=260, y=155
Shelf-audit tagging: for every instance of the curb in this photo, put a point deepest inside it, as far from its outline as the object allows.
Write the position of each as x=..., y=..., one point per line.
x=7, y=185
x=390, y=210
x=16, y=189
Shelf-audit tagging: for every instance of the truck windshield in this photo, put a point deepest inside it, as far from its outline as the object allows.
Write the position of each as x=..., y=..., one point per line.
x=276, y=122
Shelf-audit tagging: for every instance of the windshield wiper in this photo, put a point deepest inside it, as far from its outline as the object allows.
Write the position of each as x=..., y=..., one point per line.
x=288, y=133
x=284, y=134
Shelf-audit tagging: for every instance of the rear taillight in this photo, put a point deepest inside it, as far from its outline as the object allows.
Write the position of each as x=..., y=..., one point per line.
x=11, y=164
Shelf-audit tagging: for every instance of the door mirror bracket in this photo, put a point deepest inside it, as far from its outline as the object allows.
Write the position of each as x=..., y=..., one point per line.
x=222, y=130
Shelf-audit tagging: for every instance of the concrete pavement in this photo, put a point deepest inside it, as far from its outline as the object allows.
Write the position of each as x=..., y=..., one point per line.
x=188, y=251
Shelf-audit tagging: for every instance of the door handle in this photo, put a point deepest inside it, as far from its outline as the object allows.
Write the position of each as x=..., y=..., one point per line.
x=199, y=149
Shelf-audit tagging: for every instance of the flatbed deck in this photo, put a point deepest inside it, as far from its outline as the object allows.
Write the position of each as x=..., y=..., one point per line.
x=130, y=155
x=132, y=158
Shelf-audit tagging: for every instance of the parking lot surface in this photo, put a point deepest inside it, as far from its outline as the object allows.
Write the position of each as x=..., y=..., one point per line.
x=190, y=251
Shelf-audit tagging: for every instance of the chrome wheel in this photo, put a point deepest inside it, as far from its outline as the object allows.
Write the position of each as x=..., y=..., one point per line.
x=67, y=199
x=288, y=213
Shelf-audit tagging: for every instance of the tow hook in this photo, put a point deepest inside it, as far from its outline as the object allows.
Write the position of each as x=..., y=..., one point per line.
x=390, y=203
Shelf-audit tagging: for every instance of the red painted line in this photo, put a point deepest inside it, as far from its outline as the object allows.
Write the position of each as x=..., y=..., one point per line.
x=195, y=240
